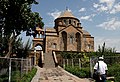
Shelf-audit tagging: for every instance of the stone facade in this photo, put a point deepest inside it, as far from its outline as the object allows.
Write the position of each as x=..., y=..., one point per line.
x=67, y=35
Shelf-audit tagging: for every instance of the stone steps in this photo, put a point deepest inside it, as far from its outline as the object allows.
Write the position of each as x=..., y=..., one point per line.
x=57, y=74
x=48, y=61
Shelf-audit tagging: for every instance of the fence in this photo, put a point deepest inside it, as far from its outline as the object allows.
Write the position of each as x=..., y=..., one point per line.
x=14, y=68
x=74, y=62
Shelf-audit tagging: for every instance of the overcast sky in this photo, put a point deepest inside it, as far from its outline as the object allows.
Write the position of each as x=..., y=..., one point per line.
x=101, y=18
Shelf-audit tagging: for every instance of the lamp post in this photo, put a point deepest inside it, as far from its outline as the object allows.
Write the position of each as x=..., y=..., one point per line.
x=34, y=57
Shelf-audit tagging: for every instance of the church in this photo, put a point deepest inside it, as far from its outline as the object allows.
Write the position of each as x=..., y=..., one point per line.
x=66, y=35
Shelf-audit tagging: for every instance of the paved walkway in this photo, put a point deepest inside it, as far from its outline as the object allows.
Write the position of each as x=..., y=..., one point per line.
x=56, y=75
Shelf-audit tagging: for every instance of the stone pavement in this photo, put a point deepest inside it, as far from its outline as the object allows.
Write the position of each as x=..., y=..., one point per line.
x=57, y=74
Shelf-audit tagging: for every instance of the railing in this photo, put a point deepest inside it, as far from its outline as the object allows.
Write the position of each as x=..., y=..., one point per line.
x=71, y=62
x=55, y=58
x=42, y=58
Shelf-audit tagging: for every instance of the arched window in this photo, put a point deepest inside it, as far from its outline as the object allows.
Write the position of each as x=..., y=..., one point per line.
x=71, y=39
x=65, y=21
x=89, y=46
x=69, y=21
x=54, y=45
x=78, y=40
x=64, y=40
x=74, y=23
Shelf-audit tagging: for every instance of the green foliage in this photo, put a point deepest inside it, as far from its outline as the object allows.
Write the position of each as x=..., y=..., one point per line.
x=84, y=57
x=117, y=76
x=16, y=76
x=16, y=17
x=21, y=19
x=25, y=78
x=4, y=78
x=108, y=81
x=114, y=70
x=23, y=49
x=71, y=55
x=18, y=47
x=85, y=60
x=28, y=77
x=103, y=50
x=82, y=73
x=3, y=46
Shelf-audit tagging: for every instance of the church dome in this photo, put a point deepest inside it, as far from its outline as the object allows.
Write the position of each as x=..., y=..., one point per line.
x=66, y=18
x=66, y=13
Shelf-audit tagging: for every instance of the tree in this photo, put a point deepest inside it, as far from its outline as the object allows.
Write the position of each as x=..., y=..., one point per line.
x=21, y=49
x=15, y=17
x=101, y=50
x=105, y=51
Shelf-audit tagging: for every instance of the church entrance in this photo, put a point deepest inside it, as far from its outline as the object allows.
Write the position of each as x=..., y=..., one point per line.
x=37, y=55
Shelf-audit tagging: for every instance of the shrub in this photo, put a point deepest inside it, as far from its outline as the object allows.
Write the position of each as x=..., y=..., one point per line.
x=114, y=70
x=117, y=76
x=15, y=76
x=25, y=78
x=82, y=73
x=28, y=77
x=4, y=78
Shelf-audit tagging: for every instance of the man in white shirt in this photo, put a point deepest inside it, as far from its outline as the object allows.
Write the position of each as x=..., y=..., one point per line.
x=101, y=67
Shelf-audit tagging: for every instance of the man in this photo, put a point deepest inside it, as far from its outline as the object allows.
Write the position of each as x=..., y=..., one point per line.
x=101, y=67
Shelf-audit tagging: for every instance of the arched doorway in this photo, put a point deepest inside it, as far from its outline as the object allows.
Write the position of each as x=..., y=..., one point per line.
x=38, y=54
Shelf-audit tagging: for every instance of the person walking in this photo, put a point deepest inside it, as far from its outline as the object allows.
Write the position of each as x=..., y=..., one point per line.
x=101, y=68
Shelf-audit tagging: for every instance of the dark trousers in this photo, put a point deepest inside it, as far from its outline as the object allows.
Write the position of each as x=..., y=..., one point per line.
x=103, y=78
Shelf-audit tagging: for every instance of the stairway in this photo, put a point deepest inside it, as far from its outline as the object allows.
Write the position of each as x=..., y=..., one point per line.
x=48, y=61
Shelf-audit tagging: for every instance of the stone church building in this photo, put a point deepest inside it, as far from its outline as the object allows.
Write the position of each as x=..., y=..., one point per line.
x=66, y=35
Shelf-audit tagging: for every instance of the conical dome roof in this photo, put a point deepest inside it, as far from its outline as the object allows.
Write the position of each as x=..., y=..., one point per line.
x=66, y=13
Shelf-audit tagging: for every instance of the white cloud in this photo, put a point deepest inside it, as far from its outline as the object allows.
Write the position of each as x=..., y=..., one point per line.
x=85, y=17
x=115, y=9
x=55, y=14
x=109, y=42
x=89, y=17
x=95, y=5
x=112, y=24
x=82, y=9
x=109, y=3
x=108, y=6
x=102, y=8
